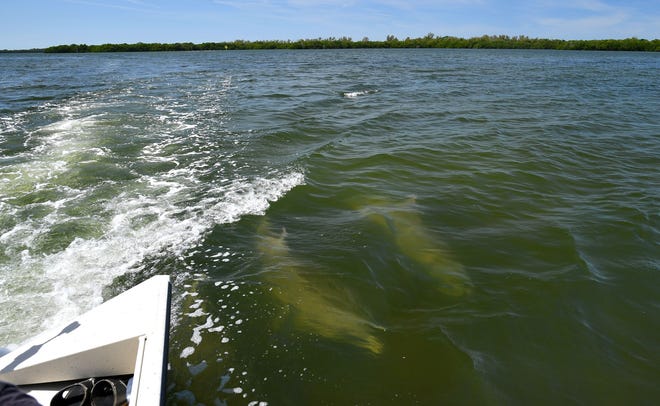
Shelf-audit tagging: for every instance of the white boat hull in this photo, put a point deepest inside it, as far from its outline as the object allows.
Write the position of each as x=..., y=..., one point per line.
x=127, y=335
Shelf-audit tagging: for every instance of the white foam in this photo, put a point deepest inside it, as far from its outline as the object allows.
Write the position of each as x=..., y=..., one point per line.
x=10, y=124
x=188, y=351
x=197, y=304
x=197, y=331
x=233, y=390
x=197, y=313
x=77, y=274
x=151, y=216
x=36, y=171
x=352, y=95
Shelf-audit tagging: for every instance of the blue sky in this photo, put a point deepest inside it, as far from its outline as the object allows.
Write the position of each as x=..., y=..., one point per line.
x=41, y=23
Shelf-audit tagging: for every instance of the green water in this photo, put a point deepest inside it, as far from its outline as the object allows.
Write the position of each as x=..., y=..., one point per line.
x=350, y=226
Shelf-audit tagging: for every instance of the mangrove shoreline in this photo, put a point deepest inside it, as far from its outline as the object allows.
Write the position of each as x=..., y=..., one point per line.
x=428, y=41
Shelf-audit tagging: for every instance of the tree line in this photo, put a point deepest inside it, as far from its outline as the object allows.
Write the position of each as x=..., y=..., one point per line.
x=428, y=41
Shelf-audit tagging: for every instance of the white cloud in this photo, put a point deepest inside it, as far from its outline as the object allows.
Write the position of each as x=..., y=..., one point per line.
x=594, y=19
x=585, y=24
x=591, y=5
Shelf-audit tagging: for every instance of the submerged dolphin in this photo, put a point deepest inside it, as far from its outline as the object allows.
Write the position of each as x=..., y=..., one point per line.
x=314, y=307
x=403, y=222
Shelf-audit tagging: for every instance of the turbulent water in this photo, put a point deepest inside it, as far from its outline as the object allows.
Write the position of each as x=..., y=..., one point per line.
x=347, y=227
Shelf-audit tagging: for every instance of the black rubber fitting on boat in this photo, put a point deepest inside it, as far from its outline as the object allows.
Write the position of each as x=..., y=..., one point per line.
x=109, y=392
x=78, y=394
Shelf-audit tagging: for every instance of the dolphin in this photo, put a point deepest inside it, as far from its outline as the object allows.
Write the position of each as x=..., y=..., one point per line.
x=404, y=224
x=314, y=308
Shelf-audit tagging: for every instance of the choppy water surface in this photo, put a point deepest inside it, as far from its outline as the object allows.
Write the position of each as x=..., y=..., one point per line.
x=347, y=227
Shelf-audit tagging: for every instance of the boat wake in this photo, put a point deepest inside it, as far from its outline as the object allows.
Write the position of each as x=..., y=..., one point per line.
x=78, y=208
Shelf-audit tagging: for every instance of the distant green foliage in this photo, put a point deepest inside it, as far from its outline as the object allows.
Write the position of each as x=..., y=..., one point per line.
x=428, y=41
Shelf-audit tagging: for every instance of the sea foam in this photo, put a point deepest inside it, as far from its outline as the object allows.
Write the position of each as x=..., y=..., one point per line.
x=47, y=279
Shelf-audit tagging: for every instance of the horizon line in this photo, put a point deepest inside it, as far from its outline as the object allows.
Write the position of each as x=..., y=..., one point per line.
x=364, y=40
